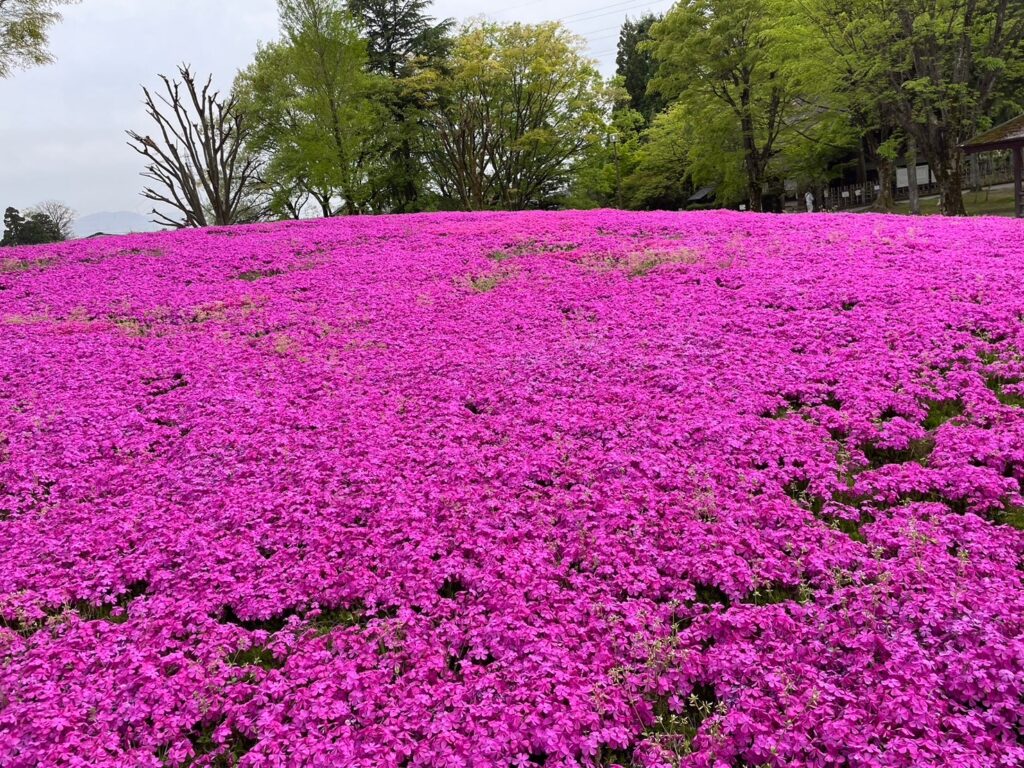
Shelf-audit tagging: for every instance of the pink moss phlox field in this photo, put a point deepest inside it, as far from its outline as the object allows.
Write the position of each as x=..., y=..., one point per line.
x=565, y=489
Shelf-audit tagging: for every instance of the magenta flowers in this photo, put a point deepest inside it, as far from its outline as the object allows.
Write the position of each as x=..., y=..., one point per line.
x=570, y=489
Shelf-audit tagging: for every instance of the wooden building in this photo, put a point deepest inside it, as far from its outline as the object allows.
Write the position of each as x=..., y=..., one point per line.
x=1008, y=136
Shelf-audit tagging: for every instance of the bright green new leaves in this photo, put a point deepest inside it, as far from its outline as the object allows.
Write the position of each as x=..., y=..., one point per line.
x=602, y=178
x=739, y=88
x=23, y=28
x=311, y=99
x=937, y=71
x=512, y=111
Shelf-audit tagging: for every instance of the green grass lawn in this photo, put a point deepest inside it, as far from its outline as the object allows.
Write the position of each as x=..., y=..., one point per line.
x=994, y=202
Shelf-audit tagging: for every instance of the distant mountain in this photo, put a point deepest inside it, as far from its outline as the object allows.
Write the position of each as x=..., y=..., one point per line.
x=113, y=223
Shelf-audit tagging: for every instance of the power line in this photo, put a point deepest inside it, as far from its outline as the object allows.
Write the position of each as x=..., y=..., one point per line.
x=612, y=13
x=589, y=34
x=608, y=36
x=601, y=34
x=520, y=6
x=610, y=9
x=622, y=6
x=598, y=30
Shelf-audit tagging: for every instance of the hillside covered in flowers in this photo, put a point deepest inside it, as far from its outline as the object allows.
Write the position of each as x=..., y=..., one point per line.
x=550, y=489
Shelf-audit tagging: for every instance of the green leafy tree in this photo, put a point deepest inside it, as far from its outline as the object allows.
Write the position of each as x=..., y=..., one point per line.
x=35, y=229
x=24, y=25
x=402, y=40
x=1009, y=92
x=945, y=60
x=938, y=69
x=513, y=112
x=316, y=125
x=737, y=82
x=662, y=178
x=853, y=86
x=635, y=66
x=600, y=179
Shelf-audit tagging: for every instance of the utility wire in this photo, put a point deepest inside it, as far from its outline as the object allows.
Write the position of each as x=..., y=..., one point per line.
x=624, y=6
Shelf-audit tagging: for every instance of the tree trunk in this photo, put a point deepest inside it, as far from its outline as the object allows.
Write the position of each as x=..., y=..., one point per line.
x=408, y=202
x=886, y=172
x=756, y=195
x=862, y=164
x=324, y=199
x=950, y=177
x=912, y=191
x=750, y=154
x=406, y=189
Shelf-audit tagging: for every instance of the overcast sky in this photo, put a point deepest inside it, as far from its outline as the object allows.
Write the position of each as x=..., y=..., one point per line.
x=62, y=126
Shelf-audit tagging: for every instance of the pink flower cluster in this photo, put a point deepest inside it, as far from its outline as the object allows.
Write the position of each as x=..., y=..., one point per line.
x=564, y=489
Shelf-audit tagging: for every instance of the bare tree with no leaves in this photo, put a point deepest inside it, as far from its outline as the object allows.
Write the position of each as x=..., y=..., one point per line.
x=60, y=214
x=199, y=160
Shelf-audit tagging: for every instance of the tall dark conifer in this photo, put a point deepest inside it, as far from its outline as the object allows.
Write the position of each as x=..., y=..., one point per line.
x=400, y=32
x=402, y=38
x=636, y=66
x=37, y=229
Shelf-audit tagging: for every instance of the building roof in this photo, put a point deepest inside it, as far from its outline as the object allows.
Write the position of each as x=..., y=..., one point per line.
x=701, y=195
x=1006, y=136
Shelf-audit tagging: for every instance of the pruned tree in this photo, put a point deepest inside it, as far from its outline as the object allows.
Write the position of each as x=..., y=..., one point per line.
x=199, y=161
x=63, y=216
x=23, y=32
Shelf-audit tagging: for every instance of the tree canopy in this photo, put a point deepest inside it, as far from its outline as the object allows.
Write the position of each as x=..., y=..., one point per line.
x=372, y=106
x=730, y=70
x=308, y=97
x=515, y=108
x=933, y=70
x=35, y=229
x=24, y=29
x=402, y=41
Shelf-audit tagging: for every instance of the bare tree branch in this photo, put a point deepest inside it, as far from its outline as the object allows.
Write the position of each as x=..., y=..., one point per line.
x=199, y=158
x=60, y=214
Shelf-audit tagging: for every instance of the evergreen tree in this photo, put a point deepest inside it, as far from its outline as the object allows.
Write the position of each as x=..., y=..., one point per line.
x=402, y=39
x=37, y=229
x=13, y=221
x=399, y=34
x=635, y=66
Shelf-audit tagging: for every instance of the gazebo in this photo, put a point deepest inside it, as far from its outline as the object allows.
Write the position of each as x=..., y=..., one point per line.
x=1009, y=135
